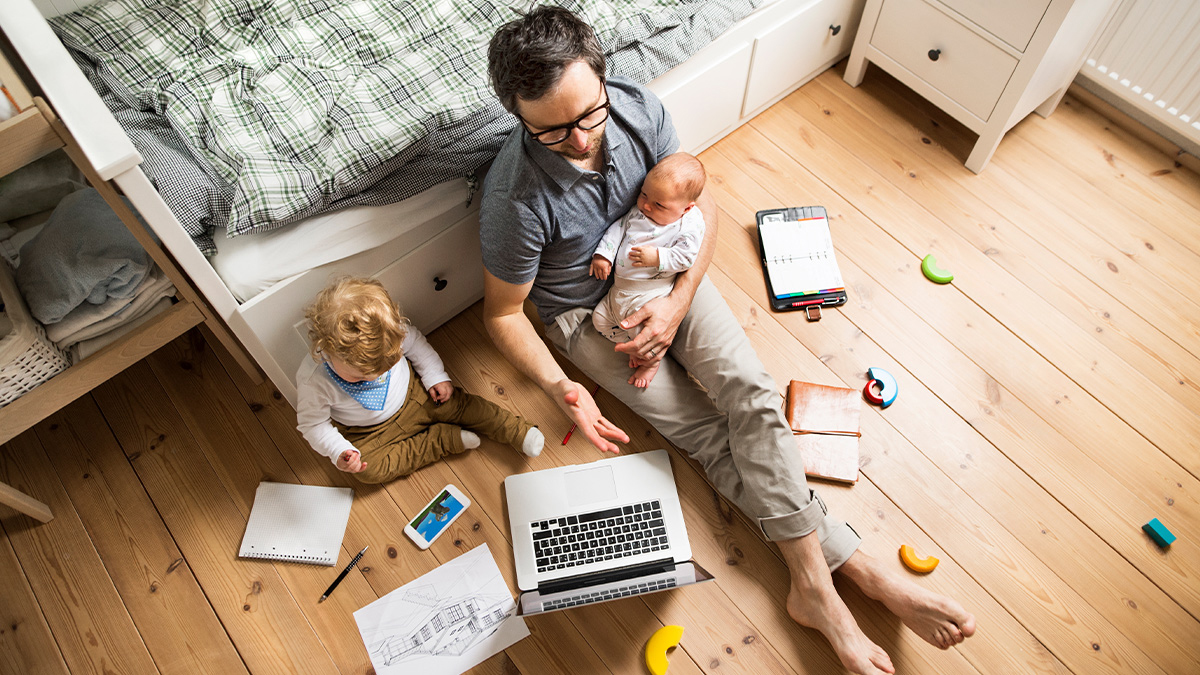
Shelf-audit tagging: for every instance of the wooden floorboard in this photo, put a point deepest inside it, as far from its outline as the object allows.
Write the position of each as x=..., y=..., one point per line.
x=1050, y=405
x=156, y=583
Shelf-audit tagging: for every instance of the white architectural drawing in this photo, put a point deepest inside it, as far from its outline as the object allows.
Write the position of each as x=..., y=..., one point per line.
x=450, y=626
x=446, y=621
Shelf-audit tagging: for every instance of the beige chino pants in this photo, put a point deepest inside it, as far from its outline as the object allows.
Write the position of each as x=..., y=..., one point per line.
x=735, y=429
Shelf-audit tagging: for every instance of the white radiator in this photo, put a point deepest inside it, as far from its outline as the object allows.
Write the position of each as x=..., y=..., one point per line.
x=1149, y=57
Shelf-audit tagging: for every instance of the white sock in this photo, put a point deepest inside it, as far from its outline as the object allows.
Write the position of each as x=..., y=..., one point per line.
x=533, y=443
x=470, y=439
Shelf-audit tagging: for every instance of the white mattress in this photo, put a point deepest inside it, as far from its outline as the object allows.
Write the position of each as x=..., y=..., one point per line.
x=252, y=263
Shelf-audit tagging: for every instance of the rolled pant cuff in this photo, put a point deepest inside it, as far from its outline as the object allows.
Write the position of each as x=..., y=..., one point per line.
x=841, y=543
x=797, y=523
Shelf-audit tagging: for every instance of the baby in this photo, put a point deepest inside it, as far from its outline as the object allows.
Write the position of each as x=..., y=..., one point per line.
x=376, y=399
x=657, y=239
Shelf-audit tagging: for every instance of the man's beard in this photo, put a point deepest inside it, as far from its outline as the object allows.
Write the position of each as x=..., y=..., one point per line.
x=595, y=143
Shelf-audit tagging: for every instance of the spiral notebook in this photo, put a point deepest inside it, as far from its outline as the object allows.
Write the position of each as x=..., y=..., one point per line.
x=798, y=259
x=297, y=523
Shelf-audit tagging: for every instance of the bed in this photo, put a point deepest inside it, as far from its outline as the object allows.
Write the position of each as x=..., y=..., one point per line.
x=406, y=216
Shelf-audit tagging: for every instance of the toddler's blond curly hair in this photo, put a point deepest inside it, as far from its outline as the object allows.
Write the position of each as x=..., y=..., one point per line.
x=356, y=321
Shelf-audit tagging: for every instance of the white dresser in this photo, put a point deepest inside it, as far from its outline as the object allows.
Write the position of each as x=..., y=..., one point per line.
x=986, y=63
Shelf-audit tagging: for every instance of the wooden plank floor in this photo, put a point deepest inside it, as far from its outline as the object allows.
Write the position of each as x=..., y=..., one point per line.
x=1049, y=406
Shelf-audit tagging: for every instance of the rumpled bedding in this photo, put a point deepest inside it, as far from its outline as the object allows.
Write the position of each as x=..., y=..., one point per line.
x=251, y=114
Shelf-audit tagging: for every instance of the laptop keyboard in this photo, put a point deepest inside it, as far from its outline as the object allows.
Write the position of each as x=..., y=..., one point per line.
x=619, y=532
x=621, y=592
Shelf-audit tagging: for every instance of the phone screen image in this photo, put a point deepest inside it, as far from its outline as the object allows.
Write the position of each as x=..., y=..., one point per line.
x=434, y=519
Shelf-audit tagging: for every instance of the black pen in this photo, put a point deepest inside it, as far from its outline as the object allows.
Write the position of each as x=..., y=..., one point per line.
x=341, y=576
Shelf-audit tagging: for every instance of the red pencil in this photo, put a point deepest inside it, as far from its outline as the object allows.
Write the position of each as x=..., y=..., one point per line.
x=572, y=429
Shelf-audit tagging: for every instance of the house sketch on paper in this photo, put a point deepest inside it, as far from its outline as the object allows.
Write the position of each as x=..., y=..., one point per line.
x=447, y=627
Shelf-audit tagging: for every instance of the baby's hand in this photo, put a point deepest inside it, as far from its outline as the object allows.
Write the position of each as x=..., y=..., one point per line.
x=644, y=256
x=440, y=392
x=600, y=267
x=350, y=461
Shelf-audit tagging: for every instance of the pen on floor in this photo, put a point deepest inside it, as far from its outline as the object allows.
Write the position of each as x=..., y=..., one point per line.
x=572, y=429
x=341, y=576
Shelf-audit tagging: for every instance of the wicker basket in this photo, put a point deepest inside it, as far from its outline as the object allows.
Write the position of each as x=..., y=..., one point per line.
x=27, y=357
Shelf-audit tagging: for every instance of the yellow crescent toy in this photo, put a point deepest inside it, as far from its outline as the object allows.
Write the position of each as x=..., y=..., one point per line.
x=922, y=565
x=656, y=648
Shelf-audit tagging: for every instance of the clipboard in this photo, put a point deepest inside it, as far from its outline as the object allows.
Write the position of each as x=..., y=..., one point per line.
x=808, y=245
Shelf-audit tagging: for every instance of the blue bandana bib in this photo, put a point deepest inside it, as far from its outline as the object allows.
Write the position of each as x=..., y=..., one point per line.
x=370, y=394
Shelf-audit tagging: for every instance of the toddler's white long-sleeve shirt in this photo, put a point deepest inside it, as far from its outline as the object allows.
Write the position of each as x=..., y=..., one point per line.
x=319, y=400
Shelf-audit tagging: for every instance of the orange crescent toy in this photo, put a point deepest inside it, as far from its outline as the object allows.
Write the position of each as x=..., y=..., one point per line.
x=923, y=565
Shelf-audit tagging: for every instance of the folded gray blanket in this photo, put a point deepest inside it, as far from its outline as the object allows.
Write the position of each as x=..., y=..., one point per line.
x=83, y=254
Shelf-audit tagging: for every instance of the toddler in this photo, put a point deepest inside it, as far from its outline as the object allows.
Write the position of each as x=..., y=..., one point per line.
x=659, y=238
x=376, y=399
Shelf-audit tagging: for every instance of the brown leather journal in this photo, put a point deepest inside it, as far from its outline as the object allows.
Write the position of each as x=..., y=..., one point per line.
x=825, y=423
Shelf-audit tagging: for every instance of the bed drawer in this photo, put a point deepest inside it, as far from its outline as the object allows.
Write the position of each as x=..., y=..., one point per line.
x=439, y=278
x=957, y=62
x=795, y=48
x=431, y=283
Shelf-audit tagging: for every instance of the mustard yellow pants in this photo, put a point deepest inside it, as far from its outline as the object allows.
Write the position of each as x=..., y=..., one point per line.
x=422, y=432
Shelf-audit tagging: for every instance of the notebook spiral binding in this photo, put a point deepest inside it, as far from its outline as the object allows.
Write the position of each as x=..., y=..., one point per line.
x=275, y=555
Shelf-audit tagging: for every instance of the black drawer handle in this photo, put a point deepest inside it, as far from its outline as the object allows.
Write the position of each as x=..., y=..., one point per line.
x=934, y=54
x=439, y=283
x=835, y=29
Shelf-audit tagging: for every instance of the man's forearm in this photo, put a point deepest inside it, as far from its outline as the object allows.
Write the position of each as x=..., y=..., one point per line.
x=516, y=339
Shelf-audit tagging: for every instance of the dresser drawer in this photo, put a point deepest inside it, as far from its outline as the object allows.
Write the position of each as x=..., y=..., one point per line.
x=968, y=69
x=796, y=47
x=1012, y=20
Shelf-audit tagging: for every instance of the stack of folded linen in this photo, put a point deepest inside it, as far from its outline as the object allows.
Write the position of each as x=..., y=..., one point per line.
x=86, y=278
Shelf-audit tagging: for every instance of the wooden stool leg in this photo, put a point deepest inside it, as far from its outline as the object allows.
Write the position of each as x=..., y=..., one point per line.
x=24, y=503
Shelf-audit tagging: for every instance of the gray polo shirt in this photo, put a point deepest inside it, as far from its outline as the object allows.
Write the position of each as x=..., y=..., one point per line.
x=542, y=217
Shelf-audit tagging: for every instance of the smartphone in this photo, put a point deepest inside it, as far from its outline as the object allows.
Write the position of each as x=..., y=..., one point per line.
x=436, y=517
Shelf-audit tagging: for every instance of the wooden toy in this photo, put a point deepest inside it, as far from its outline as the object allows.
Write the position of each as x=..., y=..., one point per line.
x=888, y=388
x=1159, y=533
x=923, y=565
x=663, y=639
x=934, y=273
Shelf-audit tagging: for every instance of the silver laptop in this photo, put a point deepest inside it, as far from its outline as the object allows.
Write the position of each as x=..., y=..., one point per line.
x=595, y=532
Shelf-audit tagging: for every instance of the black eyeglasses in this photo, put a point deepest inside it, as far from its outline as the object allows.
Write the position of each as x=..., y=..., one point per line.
x=587, y=121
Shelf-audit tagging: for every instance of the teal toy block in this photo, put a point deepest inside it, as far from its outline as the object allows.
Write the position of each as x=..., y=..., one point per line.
x=1159, y=533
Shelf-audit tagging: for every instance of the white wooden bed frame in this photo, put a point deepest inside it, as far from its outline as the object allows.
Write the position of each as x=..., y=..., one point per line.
x=757, y=62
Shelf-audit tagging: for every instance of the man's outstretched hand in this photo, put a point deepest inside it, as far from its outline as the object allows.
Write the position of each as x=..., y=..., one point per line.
x=659, y=319
x=581, y=407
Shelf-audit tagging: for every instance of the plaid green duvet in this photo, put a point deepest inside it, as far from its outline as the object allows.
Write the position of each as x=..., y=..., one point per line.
x=267, y=111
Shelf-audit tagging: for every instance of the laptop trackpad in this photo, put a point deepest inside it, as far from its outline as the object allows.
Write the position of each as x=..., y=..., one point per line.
x=588, y=486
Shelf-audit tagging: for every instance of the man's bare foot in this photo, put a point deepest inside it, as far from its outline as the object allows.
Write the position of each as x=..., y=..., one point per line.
x=644, y=374
x=823, y=610
x=939, y=620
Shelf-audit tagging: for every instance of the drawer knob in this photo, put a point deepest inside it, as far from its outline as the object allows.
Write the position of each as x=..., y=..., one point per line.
x=934, y=54
x=439, y=283
x=835, y=29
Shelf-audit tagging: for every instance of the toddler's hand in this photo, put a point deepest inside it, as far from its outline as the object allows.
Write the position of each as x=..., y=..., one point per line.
x=600, y=267
x=644, y=256
x=350, y=461
x=440, y=392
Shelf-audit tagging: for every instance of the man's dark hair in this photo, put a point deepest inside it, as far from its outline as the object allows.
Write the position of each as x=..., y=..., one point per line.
x=528, y=55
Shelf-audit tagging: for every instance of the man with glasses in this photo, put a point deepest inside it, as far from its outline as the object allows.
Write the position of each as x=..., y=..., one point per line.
x=575, y=165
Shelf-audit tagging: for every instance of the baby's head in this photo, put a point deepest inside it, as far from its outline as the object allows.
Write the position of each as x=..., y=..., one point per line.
x=671, y=188
x=356, y=328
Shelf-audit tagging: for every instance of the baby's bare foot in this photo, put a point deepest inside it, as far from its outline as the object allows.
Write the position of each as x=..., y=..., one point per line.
x=644, y=374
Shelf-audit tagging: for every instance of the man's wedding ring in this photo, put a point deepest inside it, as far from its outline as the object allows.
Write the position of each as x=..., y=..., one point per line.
x=652, y=351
